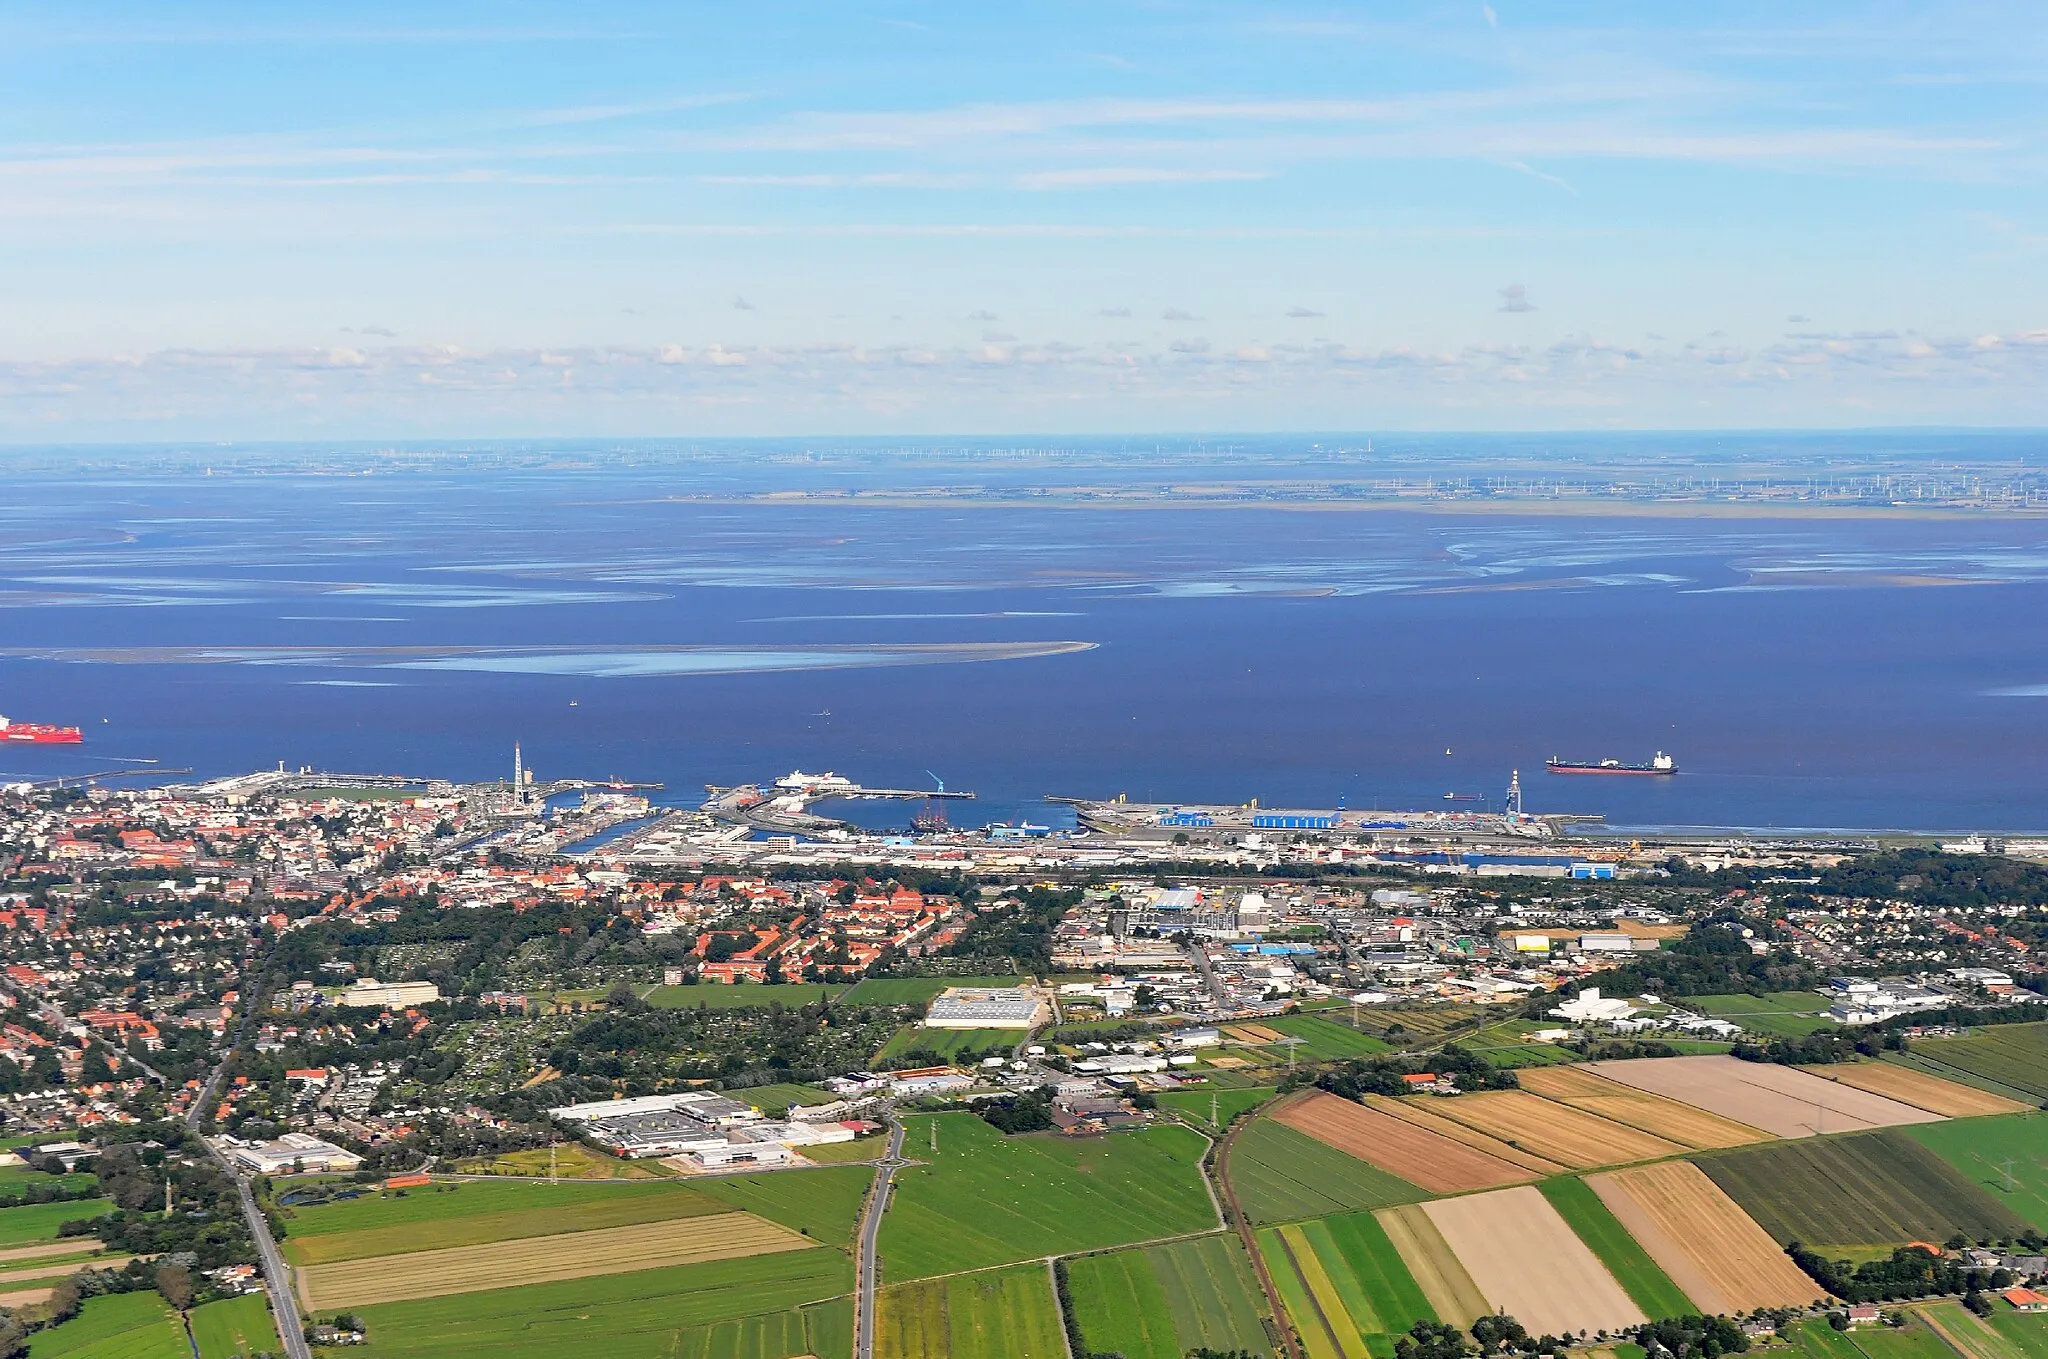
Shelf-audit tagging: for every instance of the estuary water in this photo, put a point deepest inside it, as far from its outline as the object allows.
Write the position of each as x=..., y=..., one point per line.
x=680, y=616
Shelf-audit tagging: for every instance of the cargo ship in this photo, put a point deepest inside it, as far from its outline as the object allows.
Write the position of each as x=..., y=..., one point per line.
x=36, y=734
x=1663, y=764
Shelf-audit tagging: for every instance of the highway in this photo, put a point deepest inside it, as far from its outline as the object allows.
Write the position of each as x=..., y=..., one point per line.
x=867, y=1264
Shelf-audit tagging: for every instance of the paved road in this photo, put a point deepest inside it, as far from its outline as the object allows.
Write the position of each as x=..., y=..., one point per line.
x=867, y=1264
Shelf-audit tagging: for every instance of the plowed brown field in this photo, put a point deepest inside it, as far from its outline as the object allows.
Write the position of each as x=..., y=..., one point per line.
x=542, y=1259
x=1702, y=1238
x=1412, y=1109
x=1918, y=1089
x=1554, y=1131
x=1530, y=1264
x=1778, y=1099
x=1583, y=1089
x=1418, y=1156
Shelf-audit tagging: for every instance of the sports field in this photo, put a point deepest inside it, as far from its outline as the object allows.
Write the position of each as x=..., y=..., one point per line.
x=542, y=1259
x=745, y=997
x=917, y=990
x=986, y=1199
x=235, y=1326
x=474, y=1213
x=1789, y=1014
x=1399, y=1148
x=1917, y=1088
x=1883, y=1188
x=1556, y=1132
x=1640, y=1276
x=1596, y=1094
x=647, y=1314
x=1347, y=1292
x=1444, y=1282
x=1281, y=1175
x=996, y=1314
x=39, y=1221
x=123, y=1326
x=1778, y=1099
x=1529, y=1264
x=2014, y=1055
x=1701, y=1238
x=1423, y=1113
x=1158, y=1302
x=2006, y=1157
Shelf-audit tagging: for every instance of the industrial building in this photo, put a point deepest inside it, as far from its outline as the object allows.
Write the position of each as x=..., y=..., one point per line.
x=292, y=1154
x=371, y=993
x=712, y=1130
x=976, y=1007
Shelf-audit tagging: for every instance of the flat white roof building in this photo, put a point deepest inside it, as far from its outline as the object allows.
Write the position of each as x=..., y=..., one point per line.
x=371, y=992
x=290, y=1154
x=973, y=1007
x=1590, y=1007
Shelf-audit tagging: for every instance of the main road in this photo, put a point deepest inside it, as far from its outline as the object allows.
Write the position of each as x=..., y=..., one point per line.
x=867, y=1258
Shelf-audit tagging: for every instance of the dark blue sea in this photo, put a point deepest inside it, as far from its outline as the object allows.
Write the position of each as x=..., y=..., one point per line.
x=630, y=611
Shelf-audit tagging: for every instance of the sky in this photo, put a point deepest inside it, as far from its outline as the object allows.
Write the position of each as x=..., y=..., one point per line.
x=369, y=221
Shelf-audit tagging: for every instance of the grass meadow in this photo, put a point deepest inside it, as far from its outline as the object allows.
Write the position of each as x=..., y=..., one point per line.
x=2013, y=1055
x=1159, y=1302
x=743, y=997
x=1193, y=1105
x=1784, y=1014
x=986, y=1199
x=472, y=1213
x=1280, y=1175
x=1326, y=1039
x=236, y=1326
x=822, y=1204
x=1345, y=1288
x=1988, y=1150
x=1880, y=1188
x=123, y=1326
x=39, y=1221
x=1647, y=1285
x=648, y=1314
x=954, y=1045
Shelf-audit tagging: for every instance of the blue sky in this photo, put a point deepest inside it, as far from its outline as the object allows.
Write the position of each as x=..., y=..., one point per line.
x=365, y=221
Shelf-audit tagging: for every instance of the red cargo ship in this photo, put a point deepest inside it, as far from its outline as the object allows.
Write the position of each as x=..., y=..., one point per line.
x=36, y=734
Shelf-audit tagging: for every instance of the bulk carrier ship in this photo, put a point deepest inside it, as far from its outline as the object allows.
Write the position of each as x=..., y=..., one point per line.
x=36, y=734
x=1663, y=764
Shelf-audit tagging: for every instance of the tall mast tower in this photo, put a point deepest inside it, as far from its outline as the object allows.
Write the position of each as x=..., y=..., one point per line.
x=1514, y=808
x=518, y=777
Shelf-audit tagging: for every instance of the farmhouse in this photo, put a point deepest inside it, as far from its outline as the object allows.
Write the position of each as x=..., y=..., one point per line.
x=976, y=1007
x=2027, y=1300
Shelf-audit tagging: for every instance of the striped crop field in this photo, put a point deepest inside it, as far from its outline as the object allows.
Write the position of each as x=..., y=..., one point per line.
x=1529, y=1263
x=476, y=1214
x=995, y=1314
x=1383, y=1138
x=2013, y=1055
x=1876, y=1189
x=1346, y=1288
x=543, y=1259
x=1159, y=1302
x=1281, y=1175
x=1556, y=1132
x=1121, y=1307
x=1702, y=1239
x=1640, y=1276
x=1423, y=1113
x=1445, y=1284
x=1667, y=1118
x=1917, y=1088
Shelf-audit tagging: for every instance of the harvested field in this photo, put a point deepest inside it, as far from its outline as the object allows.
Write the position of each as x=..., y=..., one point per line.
x=1260, y=1033
x=26, y=1297
x=1529, y=1263
x=572, y=1255
x=1700, y=1237
x=60, y=1269
x=1553, y=1131
x=1397, y=1147
x=1596, y=1094
x=1918, y=1089
x=1777, y=1099
x=1444, y=1282
x=1413, y=1110
x=76, y=1245
x=2012, y=1055
x=1876, y=1189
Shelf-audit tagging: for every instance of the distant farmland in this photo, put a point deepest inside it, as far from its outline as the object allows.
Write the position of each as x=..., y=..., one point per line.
x=1702, y=1239
x=1917, y=1088
x=2014, y=1055
x=1986, y=1151
x=1347, y=1291
x=473, y=1214
x=1872, y=1189
x=1594, y=1093
x=986, y=1199
x=1554, y=1131
x=1281, y=1175
x=1632, y=1267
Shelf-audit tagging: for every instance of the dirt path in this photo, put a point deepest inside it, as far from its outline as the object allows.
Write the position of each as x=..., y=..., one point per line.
x=1244, y=1232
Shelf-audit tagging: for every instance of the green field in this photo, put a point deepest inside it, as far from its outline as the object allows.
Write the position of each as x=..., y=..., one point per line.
x=238, y=1326
x=830, y=1325
x=39, y=1221
x=1640, y=1276
x=1865, y=1189
x=478, y=1211
x=822, y=1204
x=726, y=1309
x=774, y=1100
x=1914, y=1340
x=123, y=1326
x=14, y=1179
x=1514, y=1058
x=743, y=997
x=996, y=1314
x=1194, y=1104
x=1280, y=1175
x=1326, y=1040
x=953, y=1045
x=1344, y=1285
x=1786, y=1014
x=1158, y=1302
x=917, y=990
x=2027, y=1334
x=2014, y=1055
x=1987, y=1150
x=986, y=1199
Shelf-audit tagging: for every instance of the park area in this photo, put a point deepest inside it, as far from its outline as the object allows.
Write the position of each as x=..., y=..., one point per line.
x=982, y=1198
x=1159, y=1302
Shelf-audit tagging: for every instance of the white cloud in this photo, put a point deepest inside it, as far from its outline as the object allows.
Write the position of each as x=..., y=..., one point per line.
x=1515, y=297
